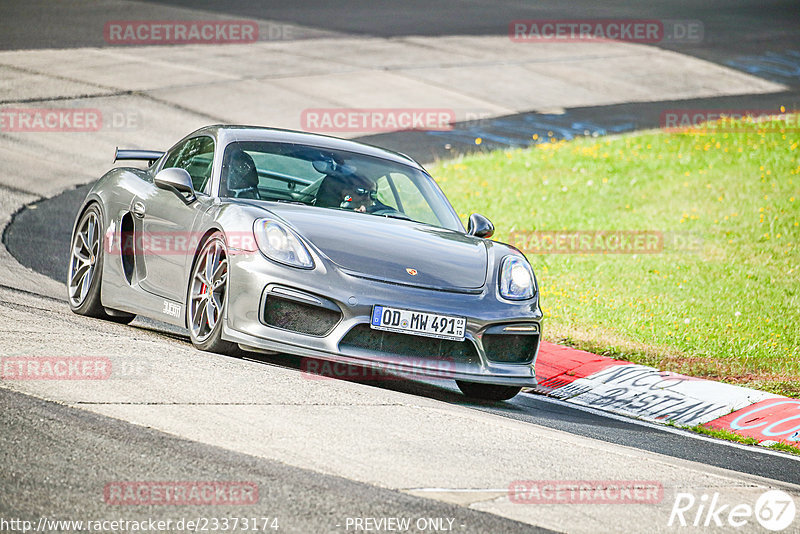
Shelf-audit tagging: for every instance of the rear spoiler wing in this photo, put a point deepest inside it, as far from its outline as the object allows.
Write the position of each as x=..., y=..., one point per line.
x=150, y=156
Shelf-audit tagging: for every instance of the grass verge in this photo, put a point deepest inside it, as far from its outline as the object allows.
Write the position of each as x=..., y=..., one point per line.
x=732, y=436
x=720, y=297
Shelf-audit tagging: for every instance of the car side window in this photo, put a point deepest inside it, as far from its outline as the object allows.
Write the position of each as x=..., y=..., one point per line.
x=195, y=156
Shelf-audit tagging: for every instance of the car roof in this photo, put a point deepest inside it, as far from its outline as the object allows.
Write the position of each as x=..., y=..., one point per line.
x=227, y=133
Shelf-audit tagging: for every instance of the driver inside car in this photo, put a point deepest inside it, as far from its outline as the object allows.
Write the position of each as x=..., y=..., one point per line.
x=361, y=198
x=346, y=191
x=344, y=188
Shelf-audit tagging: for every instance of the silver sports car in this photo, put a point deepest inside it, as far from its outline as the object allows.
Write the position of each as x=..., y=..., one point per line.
x=278, y=241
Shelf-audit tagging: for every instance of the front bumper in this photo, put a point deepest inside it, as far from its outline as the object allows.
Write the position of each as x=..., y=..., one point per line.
x=252, y=277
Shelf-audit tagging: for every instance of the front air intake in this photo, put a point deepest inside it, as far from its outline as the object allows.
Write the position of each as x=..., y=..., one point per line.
x=510, y=348
x=299, y=317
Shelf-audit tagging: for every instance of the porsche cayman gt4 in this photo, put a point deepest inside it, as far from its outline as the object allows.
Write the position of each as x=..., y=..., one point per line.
x=286, y=242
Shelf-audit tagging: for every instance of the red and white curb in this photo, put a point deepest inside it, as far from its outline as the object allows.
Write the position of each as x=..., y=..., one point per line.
x=646, y=393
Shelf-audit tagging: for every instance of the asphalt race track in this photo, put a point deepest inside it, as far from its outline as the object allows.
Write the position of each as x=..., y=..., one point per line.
x=131, y=452
x=323, y=452
x=733, y=28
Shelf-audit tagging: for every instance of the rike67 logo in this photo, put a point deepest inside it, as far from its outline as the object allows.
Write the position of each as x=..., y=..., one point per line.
x=774, y=510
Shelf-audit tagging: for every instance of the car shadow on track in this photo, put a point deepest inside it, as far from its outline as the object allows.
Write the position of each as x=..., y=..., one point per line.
x=443, y=390
x=524, y=406
x=317, y=369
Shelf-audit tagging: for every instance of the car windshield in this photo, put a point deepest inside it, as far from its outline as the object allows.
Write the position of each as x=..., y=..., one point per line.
x=330, y=179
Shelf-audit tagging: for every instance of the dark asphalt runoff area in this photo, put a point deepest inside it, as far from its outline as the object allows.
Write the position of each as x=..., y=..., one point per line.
x=731, y=28
x=57, y=462
x=57, y=459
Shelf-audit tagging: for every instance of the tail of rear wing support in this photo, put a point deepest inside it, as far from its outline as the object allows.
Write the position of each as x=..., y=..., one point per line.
x=150, y=156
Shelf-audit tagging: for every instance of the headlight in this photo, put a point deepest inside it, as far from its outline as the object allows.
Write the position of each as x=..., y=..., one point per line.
x=279, y=243
x=516, y=279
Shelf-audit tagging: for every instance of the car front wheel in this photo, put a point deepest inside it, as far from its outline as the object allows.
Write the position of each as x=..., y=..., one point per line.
x=207, y=297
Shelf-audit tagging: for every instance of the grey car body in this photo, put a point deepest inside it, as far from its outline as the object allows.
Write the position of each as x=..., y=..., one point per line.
x=324, y=312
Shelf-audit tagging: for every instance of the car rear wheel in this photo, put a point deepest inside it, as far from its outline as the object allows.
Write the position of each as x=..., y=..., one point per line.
x=207, y=298
x=84, y=277
x=489, y=392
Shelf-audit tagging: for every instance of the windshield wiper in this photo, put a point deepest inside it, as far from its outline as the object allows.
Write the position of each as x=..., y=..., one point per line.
x=396, y=216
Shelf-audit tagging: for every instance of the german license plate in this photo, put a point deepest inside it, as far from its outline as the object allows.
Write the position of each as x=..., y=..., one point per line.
x=418, y=323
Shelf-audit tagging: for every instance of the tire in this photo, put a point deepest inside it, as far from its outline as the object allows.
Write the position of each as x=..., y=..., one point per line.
x=206, y=297
x=85, y=271
x=490, y=392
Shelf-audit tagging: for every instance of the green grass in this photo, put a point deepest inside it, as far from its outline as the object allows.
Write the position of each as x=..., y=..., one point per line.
x=732, y=436
x=727, y=309
x=721, y=434
x=785, y=448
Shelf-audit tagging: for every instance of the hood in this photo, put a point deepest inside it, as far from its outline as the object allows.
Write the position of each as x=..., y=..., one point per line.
x=383, y=248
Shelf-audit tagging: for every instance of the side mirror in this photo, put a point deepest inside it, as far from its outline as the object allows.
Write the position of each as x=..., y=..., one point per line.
x=480, y=226
x=176, y=180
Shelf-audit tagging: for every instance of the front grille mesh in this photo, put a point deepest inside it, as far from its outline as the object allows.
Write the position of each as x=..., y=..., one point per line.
x=299, y=317
x=362, y=337
x=510, y=348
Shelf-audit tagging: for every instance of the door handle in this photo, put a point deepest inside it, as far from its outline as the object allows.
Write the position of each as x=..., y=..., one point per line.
x=138, y=209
